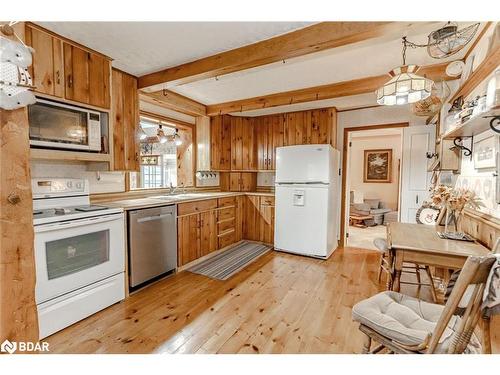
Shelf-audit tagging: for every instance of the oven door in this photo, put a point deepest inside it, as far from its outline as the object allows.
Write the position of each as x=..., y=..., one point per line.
x=73, y=254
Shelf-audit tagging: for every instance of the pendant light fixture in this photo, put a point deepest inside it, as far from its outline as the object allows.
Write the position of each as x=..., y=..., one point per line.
x=405, y=86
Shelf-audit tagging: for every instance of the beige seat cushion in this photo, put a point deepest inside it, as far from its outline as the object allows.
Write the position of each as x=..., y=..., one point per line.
x=405, y=319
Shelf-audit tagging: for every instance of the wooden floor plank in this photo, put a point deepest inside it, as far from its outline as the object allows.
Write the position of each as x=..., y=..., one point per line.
x=281, y=303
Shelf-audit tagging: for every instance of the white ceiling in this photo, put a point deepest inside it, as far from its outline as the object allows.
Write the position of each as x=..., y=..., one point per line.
x=140, y=48
x=370, y=58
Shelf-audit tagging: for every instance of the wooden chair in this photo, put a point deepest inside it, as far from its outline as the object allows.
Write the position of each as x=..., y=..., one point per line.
x=386, y=265
x=377, y=313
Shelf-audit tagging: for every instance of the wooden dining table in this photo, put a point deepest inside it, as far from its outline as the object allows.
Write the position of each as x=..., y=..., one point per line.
x=420, y=244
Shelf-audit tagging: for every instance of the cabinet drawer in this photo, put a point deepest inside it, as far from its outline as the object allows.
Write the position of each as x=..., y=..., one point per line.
x=194, y=207
x=226, y=239
x=229, y=201
x=267, y=201
x=225, y=225
x=226, y=213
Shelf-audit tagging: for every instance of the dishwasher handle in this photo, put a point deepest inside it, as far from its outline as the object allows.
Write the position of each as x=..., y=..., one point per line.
x=155, y=217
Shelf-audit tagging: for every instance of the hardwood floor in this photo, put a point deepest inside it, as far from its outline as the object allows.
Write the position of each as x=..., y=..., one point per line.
x=282, y=303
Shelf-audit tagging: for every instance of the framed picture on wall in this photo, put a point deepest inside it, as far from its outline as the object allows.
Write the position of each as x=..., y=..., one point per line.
x=485, y=152
x=377, y=166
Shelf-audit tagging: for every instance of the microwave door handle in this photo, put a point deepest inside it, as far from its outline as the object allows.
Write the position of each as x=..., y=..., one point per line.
x=76, y=223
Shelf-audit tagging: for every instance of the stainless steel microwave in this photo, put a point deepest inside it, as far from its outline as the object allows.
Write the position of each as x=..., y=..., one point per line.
x=62, y=126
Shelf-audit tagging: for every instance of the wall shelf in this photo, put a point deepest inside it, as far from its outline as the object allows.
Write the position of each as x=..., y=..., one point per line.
x=473, y=126
x=47, y=154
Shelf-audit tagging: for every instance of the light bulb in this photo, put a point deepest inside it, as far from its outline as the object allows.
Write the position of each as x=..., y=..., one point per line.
x=178, y=142
x=143, y=136
x=163, y=139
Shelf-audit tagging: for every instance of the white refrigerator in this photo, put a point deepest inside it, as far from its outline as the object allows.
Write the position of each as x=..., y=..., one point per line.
x=307, y=207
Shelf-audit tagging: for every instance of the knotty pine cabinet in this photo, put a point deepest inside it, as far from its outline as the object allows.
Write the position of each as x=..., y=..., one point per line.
x=251, y=142
x=238, y=181
x=243, y=144
x=66, y=70
x=46, y=70
x=124, y=122
x=258, y=218
x=270, y=135
x=206, y=226
x=220, y=143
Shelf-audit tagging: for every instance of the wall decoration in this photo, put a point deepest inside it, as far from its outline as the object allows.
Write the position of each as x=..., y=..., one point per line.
x=485, y=152
x=149, y=160
x=15, y=81
x=428, y=214
x=377, y=166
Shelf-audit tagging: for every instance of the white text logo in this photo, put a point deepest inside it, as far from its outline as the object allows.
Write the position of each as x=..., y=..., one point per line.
x=23, y=346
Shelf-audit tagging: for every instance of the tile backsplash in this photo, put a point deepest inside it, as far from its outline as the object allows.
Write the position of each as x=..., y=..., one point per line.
x=99, y=182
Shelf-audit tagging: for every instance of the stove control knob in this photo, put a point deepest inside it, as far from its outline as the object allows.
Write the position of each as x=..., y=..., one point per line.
x=69, y=184
x=78, y=185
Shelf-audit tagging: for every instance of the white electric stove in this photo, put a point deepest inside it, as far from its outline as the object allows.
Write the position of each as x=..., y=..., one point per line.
x=79, y=253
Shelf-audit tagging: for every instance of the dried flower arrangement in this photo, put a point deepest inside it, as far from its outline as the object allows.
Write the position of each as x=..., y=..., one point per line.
x=455, y=201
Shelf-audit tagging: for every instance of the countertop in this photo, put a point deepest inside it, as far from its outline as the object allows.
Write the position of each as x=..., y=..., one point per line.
x=157, y=200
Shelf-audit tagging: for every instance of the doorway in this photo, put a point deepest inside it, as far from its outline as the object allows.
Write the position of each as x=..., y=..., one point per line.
x=371, y=182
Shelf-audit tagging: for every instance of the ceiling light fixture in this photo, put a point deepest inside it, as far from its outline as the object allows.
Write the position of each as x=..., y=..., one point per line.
x=161, y=134
x=405, y=86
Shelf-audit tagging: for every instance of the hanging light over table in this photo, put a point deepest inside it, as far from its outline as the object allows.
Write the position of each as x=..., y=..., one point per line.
x=405, y=86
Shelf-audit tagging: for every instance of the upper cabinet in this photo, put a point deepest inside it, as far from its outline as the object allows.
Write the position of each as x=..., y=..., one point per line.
x=125, y=122
x=47, y=68
x=63, y=69
x=243, y=144
x=310, y=127
x=220, y=143
x=249, y=143
x=270, y=134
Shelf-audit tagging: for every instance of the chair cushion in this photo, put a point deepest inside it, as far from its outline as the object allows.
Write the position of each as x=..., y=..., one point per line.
x=380, y=211
x=406, y=320
x=381, y=244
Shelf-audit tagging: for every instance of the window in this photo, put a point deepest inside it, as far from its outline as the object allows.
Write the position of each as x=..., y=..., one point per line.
x=163, y=146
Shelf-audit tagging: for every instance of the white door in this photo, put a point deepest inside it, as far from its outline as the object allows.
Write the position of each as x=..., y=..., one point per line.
x=415, y=179
x=302, y=218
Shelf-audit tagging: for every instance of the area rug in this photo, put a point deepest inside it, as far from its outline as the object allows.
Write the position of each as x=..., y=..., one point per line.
x=226, y=264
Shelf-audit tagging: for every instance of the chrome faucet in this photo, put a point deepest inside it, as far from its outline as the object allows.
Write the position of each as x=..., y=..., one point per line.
x=172, y=189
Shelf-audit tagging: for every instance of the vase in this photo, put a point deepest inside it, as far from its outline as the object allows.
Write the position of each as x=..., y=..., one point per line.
x=452, y=221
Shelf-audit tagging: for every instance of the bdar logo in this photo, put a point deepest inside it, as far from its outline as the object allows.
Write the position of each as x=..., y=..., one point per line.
x=8, y=347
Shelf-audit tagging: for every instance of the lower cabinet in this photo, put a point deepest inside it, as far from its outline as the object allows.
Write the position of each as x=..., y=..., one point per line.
x=258, y=218
x=206, y=226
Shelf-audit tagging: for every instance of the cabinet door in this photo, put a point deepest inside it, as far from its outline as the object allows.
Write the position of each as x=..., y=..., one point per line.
x=261, y=126
x=235, y=181
x=236, y=143
x=208, y=232
x=248, y=144
x=220, y=143
x=188, y=238
x=266, y=221
x=294, y=129
x=47, y=68
x=99, y=72
x=125, y=121
x=251, y=225
x=278, y=128
x=248, y=181
x=76, y=71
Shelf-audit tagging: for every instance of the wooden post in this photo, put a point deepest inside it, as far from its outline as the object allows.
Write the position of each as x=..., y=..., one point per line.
x=18, y=314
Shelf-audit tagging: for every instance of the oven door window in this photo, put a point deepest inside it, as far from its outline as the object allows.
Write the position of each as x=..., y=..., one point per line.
x=71, y=255
x=56, y=124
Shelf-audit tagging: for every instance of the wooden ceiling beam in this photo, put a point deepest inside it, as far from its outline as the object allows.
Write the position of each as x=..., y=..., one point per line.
x=314, y=38
x=435, y=72
x=176, y=102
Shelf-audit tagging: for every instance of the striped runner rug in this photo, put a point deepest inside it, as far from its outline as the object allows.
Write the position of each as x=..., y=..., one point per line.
x=226, y=264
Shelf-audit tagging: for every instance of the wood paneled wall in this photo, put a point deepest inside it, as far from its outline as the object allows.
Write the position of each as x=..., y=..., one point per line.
x=483, y=227
x=18, y=314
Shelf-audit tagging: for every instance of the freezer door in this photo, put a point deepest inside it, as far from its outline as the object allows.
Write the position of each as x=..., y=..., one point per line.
x=305, y=164
x=304, y=221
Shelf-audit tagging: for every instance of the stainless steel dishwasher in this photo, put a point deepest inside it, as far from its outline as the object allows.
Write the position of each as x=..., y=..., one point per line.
x=152, y=243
